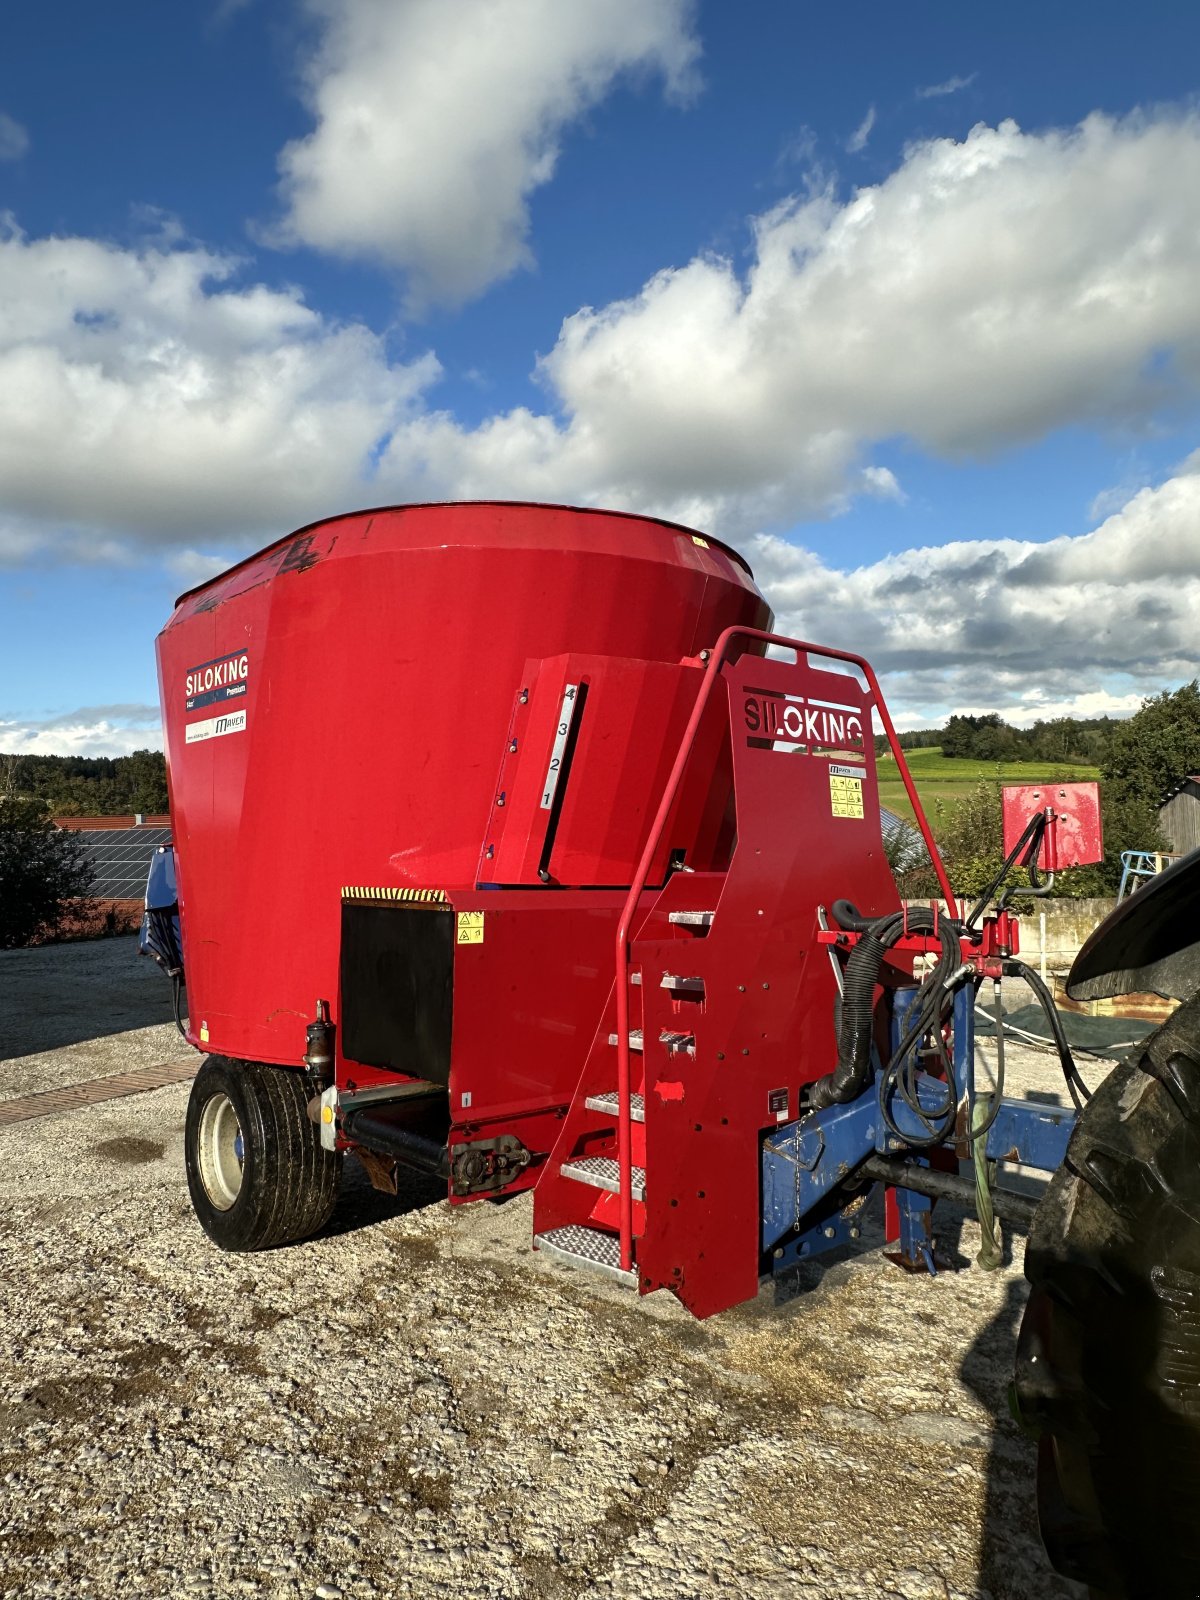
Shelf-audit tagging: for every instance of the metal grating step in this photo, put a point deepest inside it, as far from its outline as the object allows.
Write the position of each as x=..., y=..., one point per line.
x=692, y=919
x=679, y=1043
x=635, y=1039
x=675, y=983
x=602, y=1172
x=611, y=1106
x=585, y=1247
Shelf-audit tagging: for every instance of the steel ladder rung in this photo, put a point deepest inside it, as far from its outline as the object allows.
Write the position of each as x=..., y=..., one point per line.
x=604, y=1172
x=635, y=1039
x=610, y=1104
x=581, y=1246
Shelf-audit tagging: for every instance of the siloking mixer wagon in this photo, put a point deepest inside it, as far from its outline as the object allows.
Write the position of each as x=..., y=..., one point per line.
x=510, y=844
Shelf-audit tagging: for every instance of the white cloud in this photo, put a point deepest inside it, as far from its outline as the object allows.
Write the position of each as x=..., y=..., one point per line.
x=858, y=139
x=935, y=91
x=1086, y=624
x=883, y=484
x=194, y=567
x=435, y=123
x=1135, y=475
x=986, y=293
x=25, y=539
x=115, y=730
x=14, y=139
x=150, y=395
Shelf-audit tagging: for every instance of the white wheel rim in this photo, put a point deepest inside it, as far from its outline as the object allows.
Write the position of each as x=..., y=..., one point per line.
x=221, y=1150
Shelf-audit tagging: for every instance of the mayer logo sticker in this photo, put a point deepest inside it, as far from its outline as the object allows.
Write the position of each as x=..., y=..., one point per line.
x=216, y=727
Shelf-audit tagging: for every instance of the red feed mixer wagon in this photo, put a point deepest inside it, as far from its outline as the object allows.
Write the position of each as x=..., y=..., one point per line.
x=511, y=845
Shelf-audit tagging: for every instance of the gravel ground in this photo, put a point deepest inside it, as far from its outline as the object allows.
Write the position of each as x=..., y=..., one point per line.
x=414, y=1404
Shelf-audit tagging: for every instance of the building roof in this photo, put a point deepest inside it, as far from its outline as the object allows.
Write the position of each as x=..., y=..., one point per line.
x=1178, y=787
x=910, y=847
x=98, y=824
x=119, y=851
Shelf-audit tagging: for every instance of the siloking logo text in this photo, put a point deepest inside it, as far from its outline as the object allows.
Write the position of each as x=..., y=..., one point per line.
x=214, y=681
x=777, y=719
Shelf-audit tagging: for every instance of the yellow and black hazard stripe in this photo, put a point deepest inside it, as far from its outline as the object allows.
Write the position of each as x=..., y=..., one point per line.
x=423, y=897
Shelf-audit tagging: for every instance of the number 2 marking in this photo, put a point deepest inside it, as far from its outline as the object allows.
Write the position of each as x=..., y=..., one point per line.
x=560, y=743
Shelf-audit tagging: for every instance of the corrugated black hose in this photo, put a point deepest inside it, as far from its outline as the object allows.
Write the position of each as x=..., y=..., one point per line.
x=849, y=1078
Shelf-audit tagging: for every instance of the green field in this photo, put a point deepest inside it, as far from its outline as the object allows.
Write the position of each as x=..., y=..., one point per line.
x=949, y=778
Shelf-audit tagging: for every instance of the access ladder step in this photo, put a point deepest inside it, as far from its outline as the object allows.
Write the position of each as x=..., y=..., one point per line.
x=635, y=1039
x=585, y=1247
x=674, y=983
x=611, y=1105
x=603, y=1172
x=692, y=919
x=675, y=1042
x=678, y=1044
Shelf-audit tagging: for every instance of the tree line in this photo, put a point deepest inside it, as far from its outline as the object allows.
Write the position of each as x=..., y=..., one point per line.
x=1143, y=759
x=88, y=786
x=1071, y=740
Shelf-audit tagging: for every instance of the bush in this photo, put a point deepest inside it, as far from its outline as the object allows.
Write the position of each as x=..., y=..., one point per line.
x=43, y=870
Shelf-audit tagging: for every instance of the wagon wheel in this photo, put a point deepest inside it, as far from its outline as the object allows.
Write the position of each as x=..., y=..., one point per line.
x=257, y=1171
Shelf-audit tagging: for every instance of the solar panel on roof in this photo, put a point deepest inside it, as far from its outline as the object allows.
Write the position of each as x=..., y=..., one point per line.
x=120, y=859
x=911, y=847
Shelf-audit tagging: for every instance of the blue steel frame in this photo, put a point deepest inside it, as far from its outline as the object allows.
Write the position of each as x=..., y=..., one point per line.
x=808, y=1165
x=162, y=897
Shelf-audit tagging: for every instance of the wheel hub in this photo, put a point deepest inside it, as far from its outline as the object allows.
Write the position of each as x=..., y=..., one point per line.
x=221, y=1152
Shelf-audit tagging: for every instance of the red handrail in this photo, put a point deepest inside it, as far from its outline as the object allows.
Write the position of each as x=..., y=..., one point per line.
x=716, y=661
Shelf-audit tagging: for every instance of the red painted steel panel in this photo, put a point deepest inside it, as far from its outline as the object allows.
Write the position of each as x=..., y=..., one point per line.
x=586, y=759
x=337, y=709
x=808, y=833
x=1075, y=837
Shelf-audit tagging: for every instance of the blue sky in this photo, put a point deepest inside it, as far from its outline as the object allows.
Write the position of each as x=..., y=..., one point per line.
x=900, y=300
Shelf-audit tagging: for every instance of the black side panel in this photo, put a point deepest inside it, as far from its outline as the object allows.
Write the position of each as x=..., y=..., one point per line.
x=397, y=988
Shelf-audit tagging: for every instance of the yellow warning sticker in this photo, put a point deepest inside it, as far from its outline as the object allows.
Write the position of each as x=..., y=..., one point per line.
x=703, y=543
x=470, y=927
x=845, y=796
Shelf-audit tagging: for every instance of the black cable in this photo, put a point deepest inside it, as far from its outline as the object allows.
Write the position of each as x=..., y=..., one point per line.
x=1045, y=999
x=176, y=991
x=1032, y=837
x=996, y=1092
x=854, y=1066
x=935, y=998
x=901, y=1076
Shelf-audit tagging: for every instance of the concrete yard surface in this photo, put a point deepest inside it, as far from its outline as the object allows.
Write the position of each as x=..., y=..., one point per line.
x=415, y=1404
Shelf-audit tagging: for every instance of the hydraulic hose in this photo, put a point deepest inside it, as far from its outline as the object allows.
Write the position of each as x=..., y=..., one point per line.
x=991, y=1247
x=849, y=1078
x=1078, y=1089
x=177, y=1000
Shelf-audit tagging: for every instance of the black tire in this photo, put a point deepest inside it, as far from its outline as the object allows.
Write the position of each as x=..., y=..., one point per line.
x=1108, y=1359
x=263, y=1179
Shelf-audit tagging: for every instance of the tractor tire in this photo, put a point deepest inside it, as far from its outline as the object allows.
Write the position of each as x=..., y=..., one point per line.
x=1108, y=1358
x=256, y=1169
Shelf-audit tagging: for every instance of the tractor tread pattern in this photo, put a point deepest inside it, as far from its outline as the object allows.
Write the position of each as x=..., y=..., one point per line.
x=1108, y=1359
